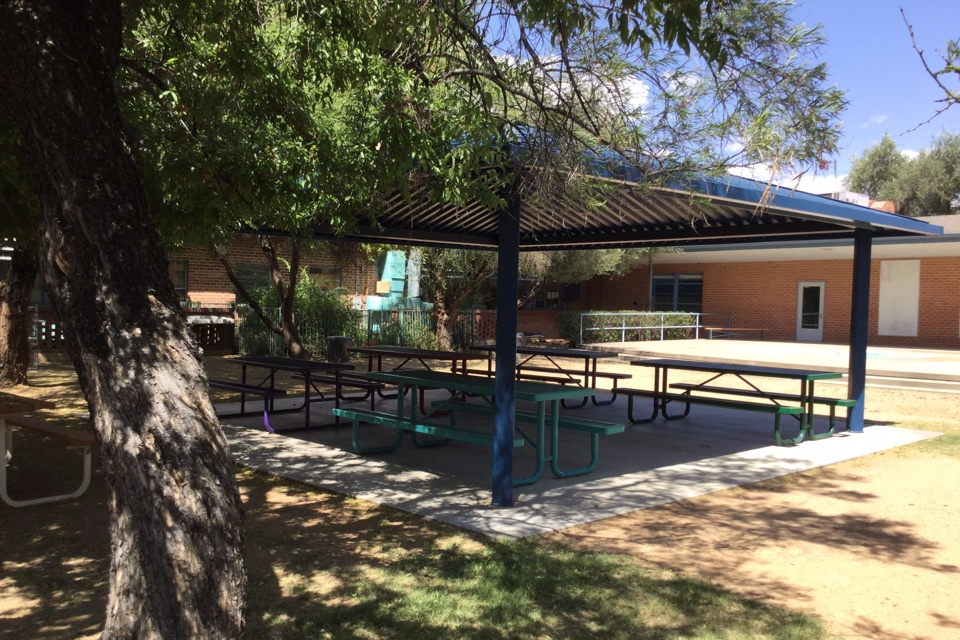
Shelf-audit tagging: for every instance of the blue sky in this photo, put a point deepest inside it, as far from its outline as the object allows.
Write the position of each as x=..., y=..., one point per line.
x=871, y=58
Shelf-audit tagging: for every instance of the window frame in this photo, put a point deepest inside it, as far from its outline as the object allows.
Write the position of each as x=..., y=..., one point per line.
x=182, y=291
x=675, y=281
x=323, y=279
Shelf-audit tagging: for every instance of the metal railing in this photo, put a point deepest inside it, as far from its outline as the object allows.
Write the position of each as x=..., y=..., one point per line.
x=633, y=326
x=400, y=327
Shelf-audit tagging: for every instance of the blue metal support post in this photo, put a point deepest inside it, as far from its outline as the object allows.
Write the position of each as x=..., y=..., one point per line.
x=859, y=317
x=505, y=382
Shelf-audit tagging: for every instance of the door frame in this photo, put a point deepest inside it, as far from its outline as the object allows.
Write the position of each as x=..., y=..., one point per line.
x=809, y=334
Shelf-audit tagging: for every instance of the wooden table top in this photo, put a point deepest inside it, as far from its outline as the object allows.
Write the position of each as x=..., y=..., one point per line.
x=11, y=404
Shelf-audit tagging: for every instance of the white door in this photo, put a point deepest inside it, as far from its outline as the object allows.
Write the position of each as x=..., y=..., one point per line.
x=810, y=311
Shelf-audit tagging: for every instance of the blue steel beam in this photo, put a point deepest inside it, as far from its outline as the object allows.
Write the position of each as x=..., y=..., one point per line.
x=505, y=383
x=859, y=317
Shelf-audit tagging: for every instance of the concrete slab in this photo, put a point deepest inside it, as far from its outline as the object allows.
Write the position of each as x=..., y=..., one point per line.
x=937, y=369
x=648, y=465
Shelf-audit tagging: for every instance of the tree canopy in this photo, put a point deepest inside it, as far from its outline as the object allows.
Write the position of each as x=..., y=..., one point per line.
x=221, y=114
x=928, y=184
x=289, y=115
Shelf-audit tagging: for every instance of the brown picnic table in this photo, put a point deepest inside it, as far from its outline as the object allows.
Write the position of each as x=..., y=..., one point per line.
x=541, y=364
x=266, y=387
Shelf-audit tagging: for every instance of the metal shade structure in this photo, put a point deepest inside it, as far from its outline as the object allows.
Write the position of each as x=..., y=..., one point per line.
x=701, y=210
x=704, y=210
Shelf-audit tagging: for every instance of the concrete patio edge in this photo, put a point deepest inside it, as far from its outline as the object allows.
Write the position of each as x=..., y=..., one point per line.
x=553, y=508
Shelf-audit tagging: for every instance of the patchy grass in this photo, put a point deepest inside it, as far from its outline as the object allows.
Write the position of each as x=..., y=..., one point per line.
x=372, y=572
x=322, y=565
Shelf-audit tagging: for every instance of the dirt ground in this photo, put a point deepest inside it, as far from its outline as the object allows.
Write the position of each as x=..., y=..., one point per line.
x=869, y=545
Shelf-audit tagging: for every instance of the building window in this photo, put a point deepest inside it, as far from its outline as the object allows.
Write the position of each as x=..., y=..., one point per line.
x=325, y=277
x=253, y=277
x=178, y=275
x=677, y=292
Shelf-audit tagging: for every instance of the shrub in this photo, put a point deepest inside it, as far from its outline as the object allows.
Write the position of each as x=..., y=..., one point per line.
x=318, y=313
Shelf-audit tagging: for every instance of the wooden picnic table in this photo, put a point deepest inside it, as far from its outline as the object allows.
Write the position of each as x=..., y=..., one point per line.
x=532, y=361
x=693, y=393
x=375, y=355
x=543, y=394
x=267, y=388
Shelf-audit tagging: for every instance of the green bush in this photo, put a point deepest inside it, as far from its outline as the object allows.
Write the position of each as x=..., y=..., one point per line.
x=403, y=328
x=318, y=313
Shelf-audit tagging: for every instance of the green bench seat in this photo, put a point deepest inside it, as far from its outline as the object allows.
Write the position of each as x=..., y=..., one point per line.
x=688, y=399
x=595, y=428
x=444, y=432
x=833, y=403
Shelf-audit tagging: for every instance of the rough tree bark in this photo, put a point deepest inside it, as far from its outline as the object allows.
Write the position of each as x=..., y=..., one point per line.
x=15, y=291
x=177, y=568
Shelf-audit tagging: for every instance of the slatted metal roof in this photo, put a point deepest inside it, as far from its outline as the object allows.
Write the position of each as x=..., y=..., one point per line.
x=701, y=211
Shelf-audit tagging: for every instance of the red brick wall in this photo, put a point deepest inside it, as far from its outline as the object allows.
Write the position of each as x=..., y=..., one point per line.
x=207, y=282
x=541, y=321
x=629, y=292
x=764, y=295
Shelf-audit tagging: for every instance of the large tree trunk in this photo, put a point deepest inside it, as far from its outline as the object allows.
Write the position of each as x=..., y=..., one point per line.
x=15, y=318
x=177, y=568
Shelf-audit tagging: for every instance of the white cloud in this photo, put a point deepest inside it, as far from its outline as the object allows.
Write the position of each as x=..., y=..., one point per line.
x=874, y=121
x=909, y=154
x=808, y=182
x=636, y=92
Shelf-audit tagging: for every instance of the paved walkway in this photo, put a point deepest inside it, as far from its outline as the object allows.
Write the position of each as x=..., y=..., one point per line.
x=937, y=369
x=648, y=465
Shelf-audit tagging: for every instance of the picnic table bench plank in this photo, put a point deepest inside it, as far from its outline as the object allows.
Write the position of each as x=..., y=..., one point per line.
x=687, y=399
x=832, y=403
x=446, y=432
x=595, y=428
x=351, y=382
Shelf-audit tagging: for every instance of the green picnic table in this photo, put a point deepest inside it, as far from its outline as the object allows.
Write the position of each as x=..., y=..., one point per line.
x=771, y=402
x=543, y=394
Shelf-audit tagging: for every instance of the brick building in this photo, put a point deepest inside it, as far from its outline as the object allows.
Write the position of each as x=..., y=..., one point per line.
x=202, y=282
x=914, y=288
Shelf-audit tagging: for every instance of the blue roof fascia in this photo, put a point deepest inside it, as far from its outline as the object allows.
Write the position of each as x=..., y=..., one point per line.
x=614, y=165
x=804, y=204
x=825, y=242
